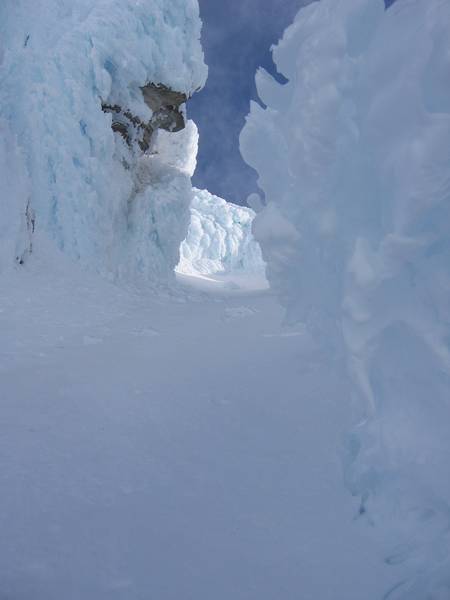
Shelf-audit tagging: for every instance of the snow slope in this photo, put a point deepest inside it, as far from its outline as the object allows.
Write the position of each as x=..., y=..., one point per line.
x=219, y=239
x=168, y=447
x=101, y=201
x=353, y=156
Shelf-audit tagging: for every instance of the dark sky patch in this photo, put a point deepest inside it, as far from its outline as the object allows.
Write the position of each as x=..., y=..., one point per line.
x=237, y=36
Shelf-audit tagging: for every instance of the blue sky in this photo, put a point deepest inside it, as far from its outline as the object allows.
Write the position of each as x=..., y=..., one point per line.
x=237, y=35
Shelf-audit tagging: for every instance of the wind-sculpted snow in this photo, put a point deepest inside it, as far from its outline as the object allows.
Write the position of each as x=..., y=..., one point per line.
x=219, y=239
x=102, y=200
x=353, y=156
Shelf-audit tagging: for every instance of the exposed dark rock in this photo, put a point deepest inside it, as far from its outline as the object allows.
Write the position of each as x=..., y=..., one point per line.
x=165, y=105
x=30, y=219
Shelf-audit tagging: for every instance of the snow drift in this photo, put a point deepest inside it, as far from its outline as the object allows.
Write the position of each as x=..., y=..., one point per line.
x=219, y=239
x=90, y=93
x=353, y=156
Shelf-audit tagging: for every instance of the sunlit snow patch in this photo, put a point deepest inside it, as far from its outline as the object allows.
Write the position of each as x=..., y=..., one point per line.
x=220, y=243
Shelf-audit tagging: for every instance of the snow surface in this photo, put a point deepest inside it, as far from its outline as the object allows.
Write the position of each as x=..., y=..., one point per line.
x=171, y=446
x=185, y=443
x=219, y=239
x=123, y=214
x=353, y=157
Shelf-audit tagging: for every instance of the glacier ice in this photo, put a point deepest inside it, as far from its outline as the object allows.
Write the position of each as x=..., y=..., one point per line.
x=100, y=199
x=219, y=239
x=353, y=156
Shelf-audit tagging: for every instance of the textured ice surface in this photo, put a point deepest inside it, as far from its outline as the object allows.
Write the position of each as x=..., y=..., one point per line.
x=353, y=155
x=100, y=201
x=219, y=239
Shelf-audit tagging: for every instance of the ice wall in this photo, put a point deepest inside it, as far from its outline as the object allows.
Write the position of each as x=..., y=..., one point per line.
x=353, y=156
x=219, y=239
x=92, y=189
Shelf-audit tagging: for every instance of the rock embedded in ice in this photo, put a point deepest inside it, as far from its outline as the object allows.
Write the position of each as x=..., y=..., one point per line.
x=167, y=114
x=59, y=62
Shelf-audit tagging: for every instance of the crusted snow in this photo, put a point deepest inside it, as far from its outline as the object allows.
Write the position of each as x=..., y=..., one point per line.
x=160, y=446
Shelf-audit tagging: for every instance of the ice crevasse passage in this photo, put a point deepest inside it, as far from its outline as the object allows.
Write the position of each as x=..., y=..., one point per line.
x=219, y=239
x=356, y=238
x=94, y=152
